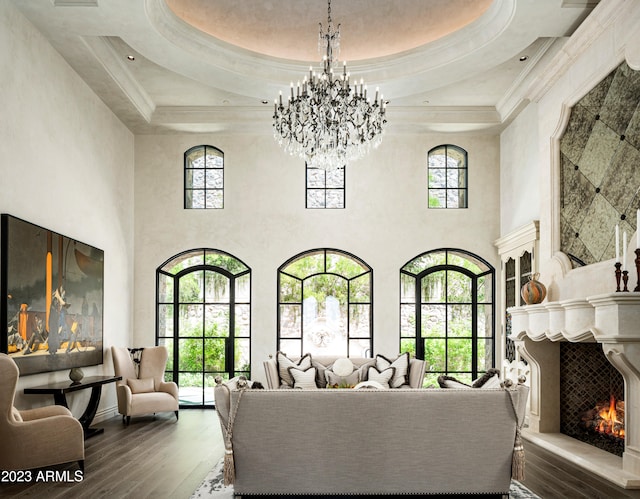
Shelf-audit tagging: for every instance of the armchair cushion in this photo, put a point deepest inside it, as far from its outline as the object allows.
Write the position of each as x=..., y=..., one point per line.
x=143, y=385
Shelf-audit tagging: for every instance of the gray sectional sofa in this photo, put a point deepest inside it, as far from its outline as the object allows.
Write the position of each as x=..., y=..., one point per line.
x=371, y=442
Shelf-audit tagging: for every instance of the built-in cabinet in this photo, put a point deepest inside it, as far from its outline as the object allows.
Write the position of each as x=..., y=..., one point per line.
x=518, y=252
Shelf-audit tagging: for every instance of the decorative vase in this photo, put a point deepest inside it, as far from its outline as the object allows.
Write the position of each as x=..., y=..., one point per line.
x=534, y=291
x=76, y=374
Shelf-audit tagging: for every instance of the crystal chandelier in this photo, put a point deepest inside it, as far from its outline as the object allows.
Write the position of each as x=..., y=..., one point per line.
x=326, y=121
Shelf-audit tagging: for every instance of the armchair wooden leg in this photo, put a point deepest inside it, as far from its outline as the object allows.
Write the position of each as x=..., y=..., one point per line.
x=176, y=415
x=128, y=420
x=81, y=465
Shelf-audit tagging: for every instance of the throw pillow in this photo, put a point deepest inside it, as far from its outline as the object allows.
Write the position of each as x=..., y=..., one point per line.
x=304, y=379
x=383, y=377
x=401, y=365
x=451, y=382
x=490, y=379
x=321, y=380
x=335, y=381
x=142, y=385
x=284, y=363
x=342, y=367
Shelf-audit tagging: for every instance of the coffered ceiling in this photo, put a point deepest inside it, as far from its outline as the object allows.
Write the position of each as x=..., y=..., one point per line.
x=167, y=66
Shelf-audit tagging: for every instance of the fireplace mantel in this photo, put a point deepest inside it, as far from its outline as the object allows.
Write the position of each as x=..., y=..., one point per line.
x=612, y=320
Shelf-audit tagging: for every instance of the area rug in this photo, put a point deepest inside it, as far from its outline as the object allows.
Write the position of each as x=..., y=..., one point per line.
x=213, y=486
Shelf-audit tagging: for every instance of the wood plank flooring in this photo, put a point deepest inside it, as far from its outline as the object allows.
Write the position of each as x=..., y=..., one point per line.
x=152, y=457
x=551, y=477
x=159, y=458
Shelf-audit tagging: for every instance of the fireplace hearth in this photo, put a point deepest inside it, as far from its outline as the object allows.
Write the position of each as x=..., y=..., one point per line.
x=545, y=335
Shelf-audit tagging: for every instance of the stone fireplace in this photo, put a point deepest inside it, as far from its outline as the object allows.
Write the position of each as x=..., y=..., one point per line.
x=612, y=321
x=591, y=397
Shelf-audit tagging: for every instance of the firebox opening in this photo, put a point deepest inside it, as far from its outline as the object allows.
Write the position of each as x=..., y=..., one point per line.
x=591, y=397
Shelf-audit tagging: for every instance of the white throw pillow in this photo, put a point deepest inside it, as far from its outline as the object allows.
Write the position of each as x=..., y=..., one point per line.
x=401, y=365
x=342, y=367
x=490, y=379
x=304, y=379
x=383, y=378
x=284, y=363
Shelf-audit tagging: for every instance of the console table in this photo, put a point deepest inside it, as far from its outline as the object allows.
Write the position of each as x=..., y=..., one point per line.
x=60, y=389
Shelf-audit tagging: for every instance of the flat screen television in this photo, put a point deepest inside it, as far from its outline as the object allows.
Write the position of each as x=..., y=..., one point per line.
x=51, y=298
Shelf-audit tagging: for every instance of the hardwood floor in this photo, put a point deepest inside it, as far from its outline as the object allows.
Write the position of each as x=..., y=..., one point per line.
x=152, y=457
x=554, y=478
x=159, y=458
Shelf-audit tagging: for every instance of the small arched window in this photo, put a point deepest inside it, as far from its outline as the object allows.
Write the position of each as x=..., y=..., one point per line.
x=447, y=177
x=204, y=178
x=325, y=305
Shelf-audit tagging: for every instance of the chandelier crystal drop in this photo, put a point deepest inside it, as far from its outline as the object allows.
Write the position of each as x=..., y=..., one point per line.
x=327, y=121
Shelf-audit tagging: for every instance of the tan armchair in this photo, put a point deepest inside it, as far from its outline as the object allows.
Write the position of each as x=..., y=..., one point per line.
x=35, y=438
x=143, y=390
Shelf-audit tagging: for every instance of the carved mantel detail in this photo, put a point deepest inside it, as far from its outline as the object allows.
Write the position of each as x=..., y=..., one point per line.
x=612, y=320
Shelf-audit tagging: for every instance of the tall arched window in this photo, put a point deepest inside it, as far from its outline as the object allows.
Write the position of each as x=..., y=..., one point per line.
x=447, y=177
x=203, y=317
x=447, y=313
x=325, y=304
x=204, y=178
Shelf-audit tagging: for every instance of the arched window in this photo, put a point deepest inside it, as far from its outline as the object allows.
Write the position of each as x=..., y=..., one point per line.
x=447, y=313
x=447, y=177
x=325, y=304
x=204, y=178
x=203, y=317
x=325, y=189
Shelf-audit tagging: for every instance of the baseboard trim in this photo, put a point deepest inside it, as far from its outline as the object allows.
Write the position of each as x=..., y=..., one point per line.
x=104, y=414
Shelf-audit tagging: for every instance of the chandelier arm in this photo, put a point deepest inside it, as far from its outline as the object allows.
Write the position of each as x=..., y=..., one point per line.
x=326, y=121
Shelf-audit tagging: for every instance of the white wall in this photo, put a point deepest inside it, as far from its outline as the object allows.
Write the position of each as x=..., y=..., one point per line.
x=610, y=35
x=520, y=171
x=66, y=163
x=264, y=222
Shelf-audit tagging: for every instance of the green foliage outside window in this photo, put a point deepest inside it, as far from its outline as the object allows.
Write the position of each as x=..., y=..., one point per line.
x=446, y=306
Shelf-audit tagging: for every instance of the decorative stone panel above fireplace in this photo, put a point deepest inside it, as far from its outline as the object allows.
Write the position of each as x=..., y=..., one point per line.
x=599, y=154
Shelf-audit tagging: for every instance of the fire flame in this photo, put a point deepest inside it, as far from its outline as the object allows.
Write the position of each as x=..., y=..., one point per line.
x=609, y=422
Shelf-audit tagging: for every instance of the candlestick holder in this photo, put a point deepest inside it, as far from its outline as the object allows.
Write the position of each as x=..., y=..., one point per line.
x=637, y=288
x=625, y=279
x=618, y=266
